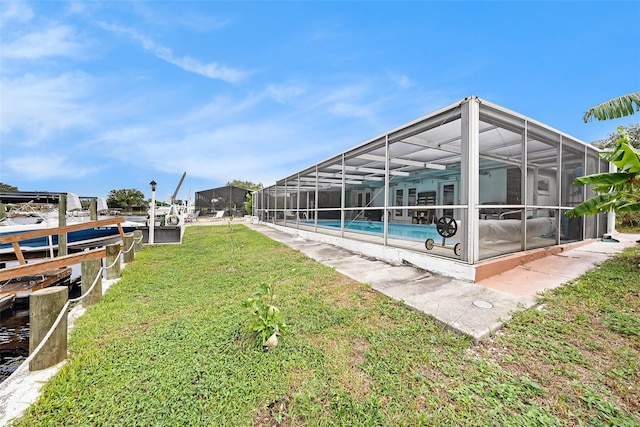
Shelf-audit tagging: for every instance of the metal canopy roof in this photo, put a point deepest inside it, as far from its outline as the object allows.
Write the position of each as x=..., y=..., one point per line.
x=30, y=196
x=44, y=197
x=431, y=147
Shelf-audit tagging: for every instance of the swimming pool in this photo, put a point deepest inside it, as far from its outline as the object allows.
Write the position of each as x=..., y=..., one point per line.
x=415, y=232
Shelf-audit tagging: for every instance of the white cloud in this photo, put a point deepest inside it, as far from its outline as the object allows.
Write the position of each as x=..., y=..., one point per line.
x=38, y=168
x=347, y=109
x=76, y=7
x=284, y=94
x=211, y=70
x=166, y=17
x=129, y=136
x=200, y=23
x=401, y=80
x=344, y=101
x=349, y=101
x=221, y=109
x=325, y=30
x=17, y=11
x=51, y=41
x=39, y=107
x=247, y=149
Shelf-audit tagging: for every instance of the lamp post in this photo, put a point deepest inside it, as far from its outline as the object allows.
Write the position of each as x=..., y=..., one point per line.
x=152, y=213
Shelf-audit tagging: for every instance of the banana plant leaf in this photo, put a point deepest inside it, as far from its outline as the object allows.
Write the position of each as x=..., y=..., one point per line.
x=614, y=108
x=629, y=207
x=600, y=203
x=626, y=158
x=605, y=179
x=618, y=191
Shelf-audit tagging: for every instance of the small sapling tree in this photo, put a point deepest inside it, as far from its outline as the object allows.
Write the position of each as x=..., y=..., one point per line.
x=267, y=323
x=233, y=247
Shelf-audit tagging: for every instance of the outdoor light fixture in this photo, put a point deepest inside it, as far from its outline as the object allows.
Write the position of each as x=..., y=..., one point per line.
x=153, y=185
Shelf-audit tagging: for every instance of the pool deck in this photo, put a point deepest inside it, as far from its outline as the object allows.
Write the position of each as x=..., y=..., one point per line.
x=455, y=303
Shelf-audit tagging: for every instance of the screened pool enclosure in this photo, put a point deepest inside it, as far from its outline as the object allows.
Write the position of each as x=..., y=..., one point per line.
x=466, y=183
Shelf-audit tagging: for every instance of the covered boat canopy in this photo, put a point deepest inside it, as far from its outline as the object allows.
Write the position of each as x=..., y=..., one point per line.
x=44, y=197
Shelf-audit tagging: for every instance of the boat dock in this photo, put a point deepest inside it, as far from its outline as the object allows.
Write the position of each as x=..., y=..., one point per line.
x=21, y=287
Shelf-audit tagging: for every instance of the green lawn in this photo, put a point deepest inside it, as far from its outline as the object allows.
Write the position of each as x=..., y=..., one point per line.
x=168, y=345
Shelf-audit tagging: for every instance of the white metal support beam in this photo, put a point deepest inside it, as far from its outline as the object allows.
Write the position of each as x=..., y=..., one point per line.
x=559, y=172
x=298, y=202
x=524, y=175
x=470, y=179
x=385, y=216
x=370, y=170
x=343, y=196
x=350, y=176
x=315, y=205
x=405, y=162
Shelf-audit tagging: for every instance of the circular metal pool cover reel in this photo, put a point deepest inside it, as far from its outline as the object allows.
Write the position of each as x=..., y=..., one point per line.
x=446, y=227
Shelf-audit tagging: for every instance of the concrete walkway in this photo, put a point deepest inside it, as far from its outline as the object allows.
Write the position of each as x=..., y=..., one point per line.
x=475, y=310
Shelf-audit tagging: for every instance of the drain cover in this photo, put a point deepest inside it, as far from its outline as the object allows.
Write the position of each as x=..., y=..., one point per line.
x=482, y=304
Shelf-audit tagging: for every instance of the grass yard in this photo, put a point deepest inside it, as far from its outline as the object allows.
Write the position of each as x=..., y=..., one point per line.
x=168, y=345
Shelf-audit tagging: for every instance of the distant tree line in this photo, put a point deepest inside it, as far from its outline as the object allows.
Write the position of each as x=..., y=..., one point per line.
x=633, y=135
x=127, y=199
x=247, y=185
x=7, y=187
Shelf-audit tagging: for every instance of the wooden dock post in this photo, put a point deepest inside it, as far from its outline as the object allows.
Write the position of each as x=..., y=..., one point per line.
x=137, y=240
x=44, y=307
x=113, y=257
x=62, y=221
x=93, y=209
x=128, y=252
x=90, y=269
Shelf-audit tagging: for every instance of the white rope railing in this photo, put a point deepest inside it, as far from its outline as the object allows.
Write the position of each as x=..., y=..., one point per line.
x=95, y=281
x=63, y=312
x=133, y=242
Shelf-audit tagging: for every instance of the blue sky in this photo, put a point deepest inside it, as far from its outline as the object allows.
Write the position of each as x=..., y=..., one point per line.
x=96, y=96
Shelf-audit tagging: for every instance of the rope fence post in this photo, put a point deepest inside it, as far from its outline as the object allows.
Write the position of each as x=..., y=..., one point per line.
x=113, y=255
x=45, y=305
x=48, y=330
x=91, y=269
x=129, y=254
x=137, y=239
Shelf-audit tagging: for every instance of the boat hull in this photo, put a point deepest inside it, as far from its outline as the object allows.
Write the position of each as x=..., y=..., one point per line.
x=91, y=237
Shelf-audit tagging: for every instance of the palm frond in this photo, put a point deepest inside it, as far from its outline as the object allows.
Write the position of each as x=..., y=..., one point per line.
x=615, y=108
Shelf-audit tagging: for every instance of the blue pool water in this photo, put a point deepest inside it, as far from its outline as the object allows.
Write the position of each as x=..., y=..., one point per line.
x=416, y=232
